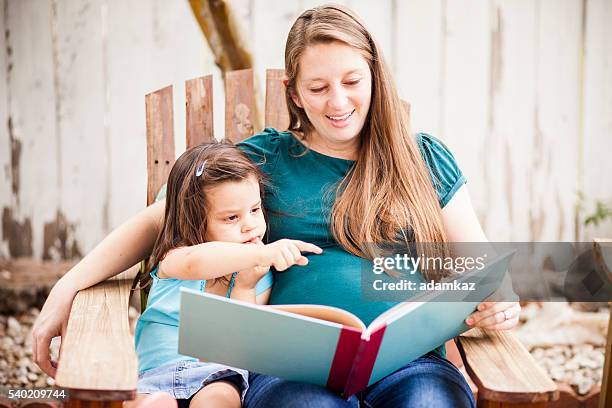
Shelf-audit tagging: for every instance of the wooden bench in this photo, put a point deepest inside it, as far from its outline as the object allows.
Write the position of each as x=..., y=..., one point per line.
x=98, y=363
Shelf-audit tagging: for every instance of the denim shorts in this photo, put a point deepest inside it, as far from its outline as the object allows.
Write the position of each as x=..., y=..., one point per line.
x=183, y=379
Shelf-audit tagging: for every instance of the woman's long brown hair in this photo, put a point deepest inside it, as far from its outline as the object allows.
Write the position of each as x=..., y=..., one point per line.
x=195, y=171
x=388, y=195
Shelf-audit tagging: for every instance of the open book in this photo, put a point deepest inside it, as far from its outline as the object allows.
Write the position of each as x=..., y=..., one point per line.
x=326, y=345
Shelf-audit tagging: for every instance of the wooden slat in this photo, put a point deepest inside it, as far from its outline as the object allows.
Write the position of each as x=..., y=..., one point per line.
x=91, y=404
x=160, y=140
x=494, y=404
x=98, y=360
x=240, y=111
x=277, y=115
x=603, y=256
x=605, y=398
x=199, y=107
x=503, y=370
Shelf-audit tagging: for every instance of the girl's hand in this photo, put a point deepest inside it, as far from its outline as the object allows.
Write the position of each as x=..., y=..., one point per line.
x=248, y=278
x=285, y=253
x=495, y=315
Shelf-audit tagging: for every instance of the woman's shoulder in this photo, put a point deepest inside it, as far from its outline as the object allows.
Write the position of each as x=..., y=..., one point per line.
x=268, y=141
x=266, y=147
x=443, y=167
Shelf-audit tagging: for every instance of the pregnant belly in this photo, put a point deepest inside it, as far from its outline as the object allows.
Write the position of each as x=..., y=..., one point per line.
x=332, y=278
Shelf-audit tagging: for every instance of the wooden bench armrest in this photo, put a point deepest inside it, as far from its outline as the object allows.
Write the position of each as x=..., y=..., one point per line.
x=502, y=368
x=603, y=257
x=97, y=360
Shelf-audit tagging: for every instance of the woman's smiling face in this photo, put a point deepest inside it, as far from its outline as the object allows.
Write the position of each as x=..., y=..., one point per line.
x=334, y=87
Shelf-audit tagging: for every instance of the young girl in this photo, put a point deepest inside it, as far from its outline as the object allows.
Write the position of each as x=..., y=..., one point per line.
x=211, y=240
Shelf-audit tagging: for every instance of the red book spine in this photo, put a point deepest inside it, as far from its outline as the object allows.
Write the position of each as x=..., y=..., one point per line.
x=342, y=364
x=364, y=363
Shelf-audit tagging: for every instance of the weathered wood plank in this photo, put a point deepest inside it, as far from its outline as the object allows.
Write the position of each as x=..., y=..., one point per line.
x=277, y=115
x=493, y=404
x=503, y=370
x=269, y=45
x=377, y=17
x=596, y=114
x=466, y=82
x=160, y=140
x=170, y=49
x=199, y=107
x=240, y=111
x=5, y=154
x=98, y=360
x=603, y=255
x=508, y=149
x=605, y=397
x=417, y=49
x=128, y=79
x=551, y=182
x=35, y=184
x=80, y=80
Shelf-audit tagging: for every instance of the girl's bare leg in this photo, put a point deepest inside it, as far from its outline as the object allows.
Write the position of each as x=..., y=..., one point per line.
x=218, y=394
x=156, y=400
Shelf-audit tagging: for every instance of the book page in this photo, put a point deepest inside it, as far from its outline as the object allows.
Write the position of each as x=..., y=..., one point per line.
x=327, y=313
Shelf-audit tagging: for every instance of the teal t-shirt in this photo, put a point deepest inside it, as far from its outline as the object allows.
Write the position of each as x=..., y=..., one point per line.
x=298, y=206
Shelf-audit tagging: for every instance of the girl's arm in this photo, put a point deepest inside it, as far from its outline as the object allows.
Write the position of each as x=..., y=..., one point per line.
x=122, y=248
x=211, y=260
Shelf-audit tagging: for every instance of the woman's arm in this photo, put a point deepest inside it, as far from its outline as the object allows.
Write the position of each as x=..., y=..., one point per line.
x=127, y=245
x=122, y=248
x=462, y=225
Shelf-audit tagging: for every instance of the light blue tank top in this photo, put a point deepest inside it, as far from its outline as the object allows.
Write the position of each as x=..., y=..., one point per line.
x=156, y=334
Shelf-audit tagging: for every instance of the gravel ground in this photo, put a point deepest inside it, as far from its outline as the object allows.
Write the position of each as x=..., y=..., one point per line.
x=16, y=367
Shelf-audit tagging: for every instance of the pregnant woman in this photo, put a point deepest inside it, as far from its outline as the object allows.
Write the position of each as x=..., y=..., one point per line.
x=347, y=172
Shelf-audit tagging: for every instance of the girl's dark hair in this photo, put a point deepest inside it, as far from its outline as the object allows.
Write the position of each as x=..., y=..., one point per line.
x=195, y=171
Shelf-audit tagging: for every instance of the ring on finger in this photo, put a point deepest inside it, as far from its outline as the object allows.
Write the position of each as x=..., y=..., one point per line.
x=508, y=314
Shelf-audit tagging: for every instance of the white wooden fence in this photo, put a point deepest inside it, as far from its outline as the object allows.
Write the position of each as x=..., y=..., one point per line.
x=521, y=91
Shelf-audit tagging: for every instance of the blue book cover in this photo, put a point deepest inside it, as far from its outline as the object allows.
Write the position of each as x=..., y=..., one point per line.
x=324, y=345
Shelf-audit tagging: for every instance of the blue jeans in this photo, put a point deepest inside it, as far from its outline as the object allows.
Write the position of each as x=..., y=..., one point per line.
x=429, y=381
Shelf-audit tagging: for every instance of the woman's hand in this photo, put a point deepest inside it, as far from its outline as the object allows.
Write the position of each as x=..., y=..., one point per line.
x=495, y=315
x=285, y=253
x=51, y=322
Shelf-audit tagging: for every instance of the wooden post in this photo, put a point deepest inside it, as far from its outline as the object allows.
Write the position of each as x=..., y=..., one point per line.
x=160, y=140
x=277, y=115
x=603, y=256
x=240, y=112
x=199, y=108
